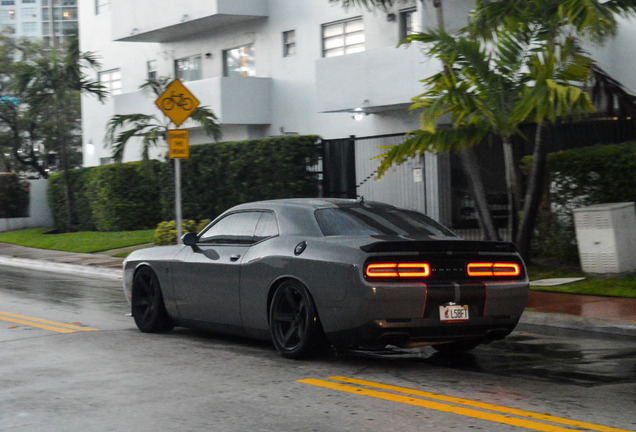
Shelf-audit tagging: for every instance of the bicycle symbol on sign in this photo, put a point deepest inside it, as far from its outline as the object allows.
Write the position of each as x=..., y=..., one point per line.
x=177, y=100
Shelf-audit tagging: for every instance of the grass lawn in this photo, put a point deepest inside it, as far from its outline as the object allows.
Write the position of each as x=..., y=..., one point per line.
x=607, y=286
x=89, y=242
x=84, y=242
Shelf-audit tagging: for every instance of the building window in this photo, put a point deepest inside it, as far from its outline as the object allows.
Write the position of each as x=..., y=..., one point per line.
x=342, y=37
x=188, y=68
x=69, y=14
x=111, y=80
x=8, y=2
x=408, y=23
x=102, y=6
x=28, y=1
x=29, y=27
x=151, y=67
x=239, y=62
x=289, y=43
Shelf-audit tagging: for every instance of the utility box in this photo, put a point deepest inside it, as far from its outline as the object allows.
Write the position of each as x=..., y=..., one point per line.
x=606, y=235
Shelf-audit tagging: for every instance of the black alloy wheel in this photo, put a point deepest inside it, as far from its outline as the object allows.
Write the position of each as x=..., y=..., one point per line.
x=148, y=308
x=293, y=321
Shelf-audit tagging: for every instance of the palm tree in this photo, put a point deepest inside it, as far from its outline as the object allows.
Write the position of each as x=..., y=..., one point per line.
x=49, y=84
x=486, y=92
x=151, y=129
x=560, y=24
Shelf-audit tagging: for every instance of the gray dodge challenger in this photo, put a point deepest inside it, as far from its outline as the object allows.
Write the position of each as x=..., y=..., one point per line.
x=308, y=273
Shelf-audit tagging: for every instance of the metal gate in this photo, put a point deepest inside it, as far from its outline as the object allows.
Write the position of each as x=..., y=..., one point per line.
x=350, y=168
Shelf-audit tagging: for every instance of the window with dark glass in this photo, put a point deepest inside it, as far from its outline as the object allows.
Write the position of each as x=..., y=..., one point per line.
x=408, y=23
x=358, y=220
x=267, y=227
x=188, y=68
x=239, y=62
x=289, y=43
x=151, y=66
x=235, y=228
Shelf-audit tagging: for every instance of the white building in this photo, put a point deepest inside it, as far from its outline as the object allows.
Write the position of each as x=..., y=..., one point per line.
x=275, y=67
x=50, y=20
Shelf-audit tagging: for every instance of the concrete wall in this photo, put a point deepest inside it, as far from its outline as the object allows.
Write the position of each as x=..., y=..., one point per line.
x=40, y=215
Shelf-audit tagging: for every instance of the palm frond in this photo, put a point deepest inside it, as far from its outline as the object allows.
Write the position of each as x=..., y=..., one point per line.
x=419, y=142
x=206, y=118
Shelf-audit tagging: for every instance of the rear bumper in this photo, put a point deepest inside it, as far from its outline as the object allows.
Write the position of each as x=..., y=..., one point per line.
x=406, y=332
x=409, y=314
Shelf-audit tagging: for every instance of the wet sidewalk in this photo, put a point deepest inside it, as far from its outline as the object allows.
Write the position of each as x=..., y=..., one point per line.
x=98, y=265
x=605, y=308
x=584, y=313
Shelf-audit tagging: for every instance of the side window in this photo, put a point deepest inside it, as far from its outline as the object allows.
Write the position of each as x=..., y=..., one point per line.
x=235, y=228
x=267, y=227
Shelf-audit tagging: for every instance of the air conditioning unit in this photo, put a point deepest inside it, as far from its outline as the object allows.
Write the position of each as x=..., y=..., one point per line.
x=606, y=236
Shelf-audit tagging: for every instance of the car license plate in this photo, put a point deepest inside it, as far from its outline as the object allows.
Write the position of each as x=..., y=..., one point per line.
x=453, y=313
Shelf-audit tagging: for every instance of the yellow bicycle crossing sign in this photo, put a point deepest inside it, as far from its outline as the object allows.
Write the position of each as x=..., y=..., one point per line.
x=177, y=102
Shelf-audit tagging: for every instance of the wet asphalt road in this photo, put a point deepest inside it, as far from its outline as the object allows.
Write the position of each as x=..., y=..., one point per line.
x=118, y=378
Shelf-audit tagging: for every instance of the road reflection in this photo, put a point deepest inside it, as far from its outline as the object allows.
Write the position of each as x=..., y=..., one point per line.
x=578, y=361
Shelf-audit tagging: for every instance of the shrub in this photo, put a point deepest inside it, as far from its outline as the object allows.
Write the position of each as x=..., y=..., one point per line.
x=166, y=232
x=125, y=196
x=578, y=178
x=14, y=196
x=217, y=176
x=220, y=176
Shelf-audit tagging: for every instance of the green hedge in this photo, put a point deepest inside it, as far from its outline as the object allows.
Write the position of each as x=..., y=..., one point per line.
x=594, y=175
x=219, y=176
x=14, y=196
x=125, y=197
x=109, y=198
x=139, y=195
x=578, y=178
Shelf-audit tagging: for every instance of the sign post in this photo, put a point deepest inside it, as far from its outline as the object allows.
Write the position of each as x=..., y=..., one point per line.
x=177, y=103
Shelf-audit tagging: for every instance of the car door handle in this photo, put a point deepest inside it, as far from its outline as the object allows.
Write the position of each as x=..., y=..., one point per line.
x=234, y=257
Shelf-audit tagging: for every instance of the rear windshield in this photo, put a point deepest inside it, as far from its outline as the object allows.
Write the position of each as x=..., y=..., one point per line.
x=352, y=221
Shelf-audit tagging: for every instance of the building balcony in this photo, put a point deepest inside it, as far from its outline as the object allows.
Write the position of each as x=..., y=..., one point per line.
x=169, y=20
x=235, y=101
x=377, y=81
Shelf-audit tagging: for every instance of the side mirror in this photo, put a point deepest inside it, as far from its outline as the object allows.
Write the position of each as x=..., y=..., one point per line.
x=189, y=239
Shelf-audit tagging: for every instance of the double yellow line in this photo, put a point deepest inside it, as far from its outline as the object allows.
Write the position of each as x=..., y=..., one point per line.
x=42, y=323
x=465, y=407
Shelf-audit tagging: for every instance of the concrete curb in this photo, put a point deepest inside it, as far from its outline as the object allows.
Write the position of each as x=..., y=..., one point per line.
x=64, y=268
x=556, y=324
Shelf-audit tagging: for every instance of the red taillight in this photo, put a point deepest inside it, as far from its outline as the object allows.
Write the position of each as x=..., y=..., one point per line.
x=394, y=270
x=382, y=270
x=481, y=269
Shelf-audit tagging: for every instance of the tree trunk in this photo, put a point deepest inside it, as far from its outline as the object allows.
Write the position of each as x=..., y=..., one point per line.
x=534, y=192
x=511, y=187
x=477, y=190
x=68, y=196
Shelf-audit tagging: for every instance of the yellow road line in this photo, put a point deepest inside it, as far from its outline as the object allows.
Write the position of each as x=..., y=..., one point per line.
x=472, y=409
x=42, y=323
x=482, y=405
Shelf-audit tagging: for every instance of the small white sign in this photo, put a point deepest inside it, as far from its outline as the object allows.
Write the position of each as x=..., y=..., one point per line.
x=418, y=175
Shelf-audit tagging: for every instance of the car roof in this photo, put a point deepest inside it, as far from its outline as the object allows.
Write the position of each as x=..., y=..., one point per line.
x=295, y=215
x=307, y=203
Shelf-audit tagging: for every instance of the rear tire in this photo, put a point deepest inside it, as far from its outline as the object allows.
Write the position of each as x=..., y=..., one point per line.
x=293, y=321
x=148, y=308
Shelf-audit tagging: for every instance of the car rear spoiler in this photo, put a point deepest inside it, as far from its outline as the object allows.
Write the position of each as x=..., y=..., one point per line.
x=439, y=246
